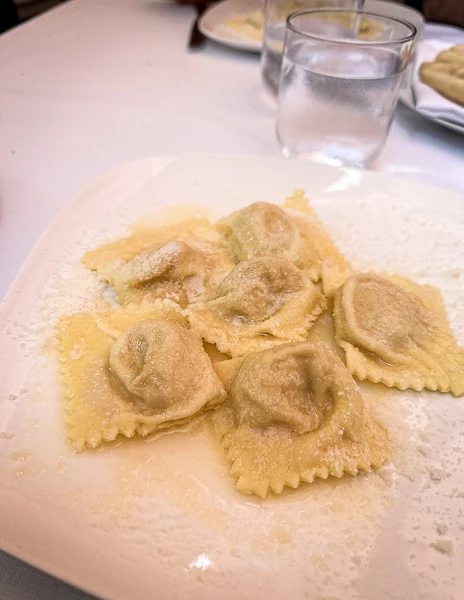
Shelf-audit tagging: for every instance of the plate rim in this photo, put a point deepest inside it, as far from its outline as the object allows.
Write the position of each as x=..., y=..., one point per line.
x=402, y=97
x=250, y=45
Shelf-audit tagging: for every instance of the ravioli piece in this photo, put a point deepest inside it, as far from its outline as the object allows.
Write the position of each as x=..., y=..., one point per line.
x=396, y=332
x=264, y=229
x=333, y=276
x=176, y=261
x=177, y=270
x=294, y=414
x=144, y=238
x=227, y=371
x=262, y=302
x=155, y=375
x=332, y=267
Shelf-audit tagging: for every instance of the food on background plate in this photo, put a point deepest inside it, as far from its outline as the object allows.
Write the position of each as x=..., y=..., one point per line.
x=219, y=318
x=251, y=25
x=446, y=74
x=453, y=54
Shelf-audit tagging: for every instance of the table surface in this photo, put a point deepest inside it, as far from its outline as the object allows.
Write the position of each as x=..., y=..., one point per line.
x=97, y=83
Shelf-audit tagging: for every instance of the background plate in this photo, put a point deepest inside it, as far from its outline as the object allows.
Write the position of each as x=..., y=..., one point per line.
x=213, y=23
x=160, y=518
x=441, y=32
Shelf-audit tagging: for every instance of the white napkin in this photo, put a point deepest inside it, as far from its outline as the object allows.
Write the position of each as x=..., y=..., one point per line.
x=428, y=101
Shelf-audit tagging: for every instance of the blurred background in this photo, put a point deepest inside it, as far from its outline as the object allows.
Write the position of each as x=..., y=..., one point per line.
x=13, y=12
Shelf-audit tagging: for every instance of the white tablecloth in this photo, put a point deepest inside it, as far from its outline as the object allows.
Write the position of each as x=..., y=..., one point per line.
x=97, y=83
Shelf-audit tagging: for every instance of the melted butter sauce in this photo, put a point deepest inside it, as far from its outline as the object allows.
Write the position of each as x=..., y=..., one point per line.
x=214, y=353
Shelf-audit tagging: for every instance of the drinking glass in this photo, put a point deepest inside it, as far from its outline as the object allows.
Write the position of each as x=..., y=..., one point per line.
x=339, y=84
x=275, y=16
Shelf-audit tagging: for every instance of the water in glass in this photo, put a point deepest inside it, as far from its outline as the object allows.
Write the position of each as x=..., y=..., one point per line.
x=335, y=104
x=276, y=12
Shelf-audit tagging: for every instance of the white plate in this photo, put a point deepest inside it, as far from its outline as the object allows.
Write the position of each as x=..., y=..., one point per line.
x=161, y=519
x=213, y=23
x=442, y=32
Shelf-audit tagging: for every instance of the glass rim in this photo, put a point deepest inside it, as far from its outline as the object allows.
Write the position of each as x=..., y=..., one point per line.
x=362, y=13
